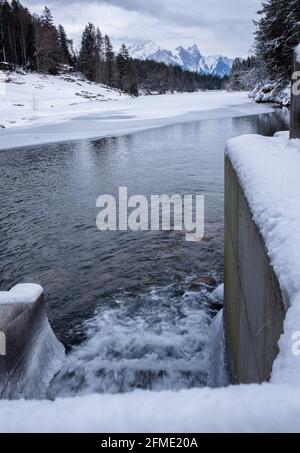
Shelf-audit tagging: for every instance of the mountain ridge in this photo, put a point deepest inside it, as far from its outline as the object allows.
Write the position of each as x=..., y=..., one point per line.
x=189, y=58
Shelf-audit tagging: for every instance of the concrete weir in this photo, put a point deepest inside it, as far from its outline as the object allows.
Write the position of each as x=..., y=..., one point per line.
x=254, y=309
x=30, y=354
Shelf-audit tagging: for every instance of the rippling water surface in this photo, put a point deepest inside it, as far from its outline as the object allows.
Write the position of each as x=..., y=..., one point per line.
x=132, y=308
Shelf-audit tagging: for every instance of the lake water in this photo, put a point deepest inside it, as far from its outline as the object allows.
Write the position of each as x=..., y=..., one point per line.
x=132, y=308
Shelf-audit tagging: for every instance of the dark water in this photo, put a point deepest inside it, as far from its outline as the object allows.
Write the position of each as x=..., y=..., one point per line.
x=134, y=307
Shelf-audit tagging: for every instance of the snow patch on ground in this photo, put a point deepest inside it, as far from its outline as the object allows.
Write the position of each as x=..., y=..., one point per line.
x=32, y=98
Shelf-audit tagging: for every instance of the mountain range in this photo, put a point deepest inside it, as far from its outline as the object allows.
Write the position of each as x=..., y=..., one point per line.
x=190, y=59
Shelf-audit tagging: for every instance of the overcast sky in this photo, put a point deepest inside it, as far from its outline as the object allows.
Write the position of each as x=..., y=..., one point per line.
x=217, y=26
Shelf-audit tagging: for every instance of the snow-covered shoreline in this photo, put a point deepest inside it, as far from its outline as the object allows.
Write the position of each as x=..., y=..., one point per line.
x=37, y=109
x=272, y=92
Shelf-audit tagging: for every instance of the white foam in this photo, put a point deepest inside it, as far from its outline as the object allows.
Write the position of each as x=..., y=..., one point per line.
x=155, y=341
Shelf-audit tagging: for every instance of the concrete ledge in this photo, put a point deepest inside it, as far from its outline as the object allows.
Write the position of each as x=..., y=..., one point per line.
x=254, y=310
x=32, y=352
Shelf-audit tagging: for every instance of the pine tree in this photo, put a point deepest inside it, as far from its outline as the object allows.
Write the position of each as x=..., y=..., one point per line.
x=48, y=49
x=293, y=26
x=23, y=35
x=65, y=45
x=127, y=76
x=110, y=70
x=88, y=52
x=99, y=58
x=46, y=17
x=5, y=32
x=16, y=34
x=277, y=35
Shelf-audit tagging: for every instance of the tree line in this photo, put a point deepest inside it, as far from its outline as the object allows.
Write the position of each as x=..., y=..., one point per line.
x=34, y=43
x=276, y=36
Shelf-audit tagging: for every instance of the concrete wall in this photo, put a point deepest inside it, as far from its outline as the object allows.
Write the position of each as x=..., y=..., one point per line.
x=33, y=354
x=253, y=306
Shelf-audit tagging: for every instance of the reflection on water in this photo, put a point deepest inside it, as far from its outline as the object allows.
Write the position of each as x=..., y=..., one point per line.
x=49, y=236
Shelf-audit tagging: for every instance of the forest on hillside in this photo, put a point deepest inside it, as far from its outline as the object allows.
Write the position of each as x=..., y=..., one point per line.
x=34, y=43
x=276, y=36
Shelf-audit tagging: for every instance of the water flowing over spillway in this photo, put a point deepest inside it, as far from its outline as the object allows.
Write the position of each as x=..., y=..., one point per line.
x=134, y=309
x=154, y=341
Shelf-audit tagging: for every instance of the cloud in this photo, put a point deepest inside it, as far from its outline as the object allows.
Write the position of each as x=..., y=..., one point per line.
x=217, y=26
x=152, y=7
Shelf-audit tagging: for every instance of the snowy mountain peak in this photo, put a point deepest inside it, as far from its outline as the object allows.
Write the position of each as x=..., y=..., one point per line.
x=194, y=49
x=142, y=51
x=190, y=59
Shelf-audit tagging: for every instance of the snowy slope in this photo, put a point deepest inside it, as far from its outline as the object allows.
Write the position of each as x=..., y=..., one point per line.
x=25, y=98
x=190, y=59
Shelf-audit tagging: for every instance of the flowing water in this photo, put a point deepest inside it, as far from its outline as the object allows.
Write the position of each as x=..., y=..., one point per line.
x=132, y=308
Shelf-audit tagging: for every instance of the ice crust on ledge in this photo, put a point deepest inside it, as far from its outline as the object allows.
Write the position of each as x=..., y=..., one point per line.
x=33, y=358
x=23, y=293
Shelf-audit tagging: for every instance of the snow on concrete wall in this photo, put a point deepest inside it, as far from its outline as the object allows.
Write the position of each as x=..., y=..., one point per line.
x=268, y=171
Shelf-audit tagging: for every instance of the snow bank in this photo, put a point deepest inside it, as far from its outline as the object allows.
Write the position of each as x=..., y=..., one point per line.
x=252, y=408
x=32, y=98
x=269, y=169
x=38, y=109
x=272, y=92
x=24, y=293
